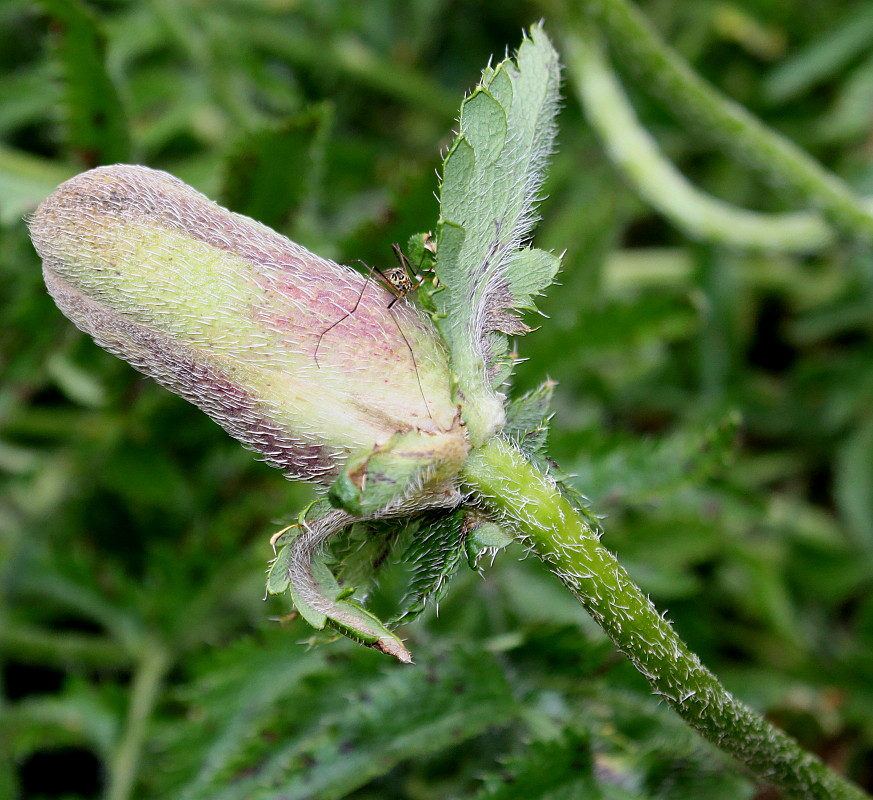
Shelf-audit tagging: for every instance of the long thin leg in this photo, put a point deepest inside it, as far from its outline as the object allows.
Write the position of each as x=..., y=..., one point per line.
x=341, y=319
x=376, y=272
x=412, y=355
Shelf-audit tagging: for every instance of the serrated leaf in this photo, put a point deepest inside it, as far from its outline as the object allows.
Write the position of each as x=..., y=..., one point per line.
x=298, y=740
x=96, y=125
x=239, y=690
x=78, y=717
x=641, y=469
x=527, y=419
x=434, y=555
x=272, y=172
x=560, y=769
x=491, y=176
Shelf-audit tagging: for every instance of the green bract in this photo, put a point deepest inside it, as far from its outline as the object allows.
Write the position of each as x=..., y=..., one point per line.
x=491, y=179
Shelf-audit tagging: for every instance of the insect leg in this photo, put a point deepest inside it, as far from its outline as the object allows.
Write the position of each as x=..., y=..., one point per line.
x=341, y=319
x=412, y=356
x=399, y=292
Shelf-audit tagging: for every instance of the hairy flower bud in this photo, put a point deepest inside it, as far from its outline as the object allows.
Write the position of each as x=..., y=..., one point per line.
x=297, y=357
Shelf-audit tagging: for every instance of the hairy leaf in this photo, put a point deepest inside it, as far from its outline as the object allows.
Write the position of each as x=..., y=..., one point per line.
x=527, y=420
x=434, y=556
x=490, y=180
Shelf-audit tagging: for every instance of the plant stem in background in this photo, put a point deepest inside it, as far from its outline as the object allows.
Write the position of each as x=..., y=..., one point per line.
x=730, y=125
x=61, y=649
x=148, y=680
x=657, y=180
x=528, y=502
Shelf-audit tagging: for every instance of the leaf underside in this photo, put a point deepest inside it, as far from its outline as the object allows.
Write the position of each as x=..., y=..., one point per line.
x=490, y=182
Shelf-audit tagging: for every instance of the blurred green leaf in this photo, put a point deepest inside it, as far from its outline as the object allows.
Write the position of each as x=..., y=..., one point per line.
x=96, y=127
x=854, y=486
x=823, y=57
x=25, y=181
x=334, y=735
x=551, y=770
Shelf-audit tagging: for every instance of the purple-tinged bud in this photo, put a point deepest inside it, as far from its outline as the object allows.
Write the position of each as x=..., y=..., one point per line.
x=229, y=314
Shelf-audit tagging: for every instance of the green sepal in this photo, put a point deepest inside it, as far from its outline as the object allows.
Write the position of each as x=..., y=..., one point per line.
x=486, y=538
x=302, y=568
x=434, y=555
x=438, y=548
x=328, y=587
x=373, y=480
x=527, y=420
x=277, y=576
x=369, y=629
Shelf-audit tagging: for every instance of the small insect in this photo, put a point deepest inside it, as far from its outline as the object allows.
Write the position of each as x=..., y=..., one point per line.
x=401, y=281
x=401, y=277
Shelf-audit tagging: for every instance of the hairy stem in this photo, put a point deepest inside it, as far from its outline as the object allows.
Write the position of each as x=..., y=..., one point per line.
x=731, y=126
x=148, y=679
x=528, y=502
x=658, y=181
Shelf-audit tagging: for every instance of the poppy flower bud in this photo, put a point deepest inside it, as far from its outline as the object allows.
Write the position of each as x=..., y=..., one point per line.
x=297, y=357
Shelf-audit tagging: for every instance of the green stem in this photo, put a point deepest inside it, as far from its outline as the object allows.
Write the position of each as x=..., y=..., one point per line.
x=659, y=182
x=31, y=643
x=528, y=502
x=699, y=104
x=147, y=683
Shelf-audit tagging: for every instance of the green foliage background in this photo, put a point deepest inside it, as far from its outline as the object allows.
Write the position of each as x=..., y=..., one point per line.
x=715, y=405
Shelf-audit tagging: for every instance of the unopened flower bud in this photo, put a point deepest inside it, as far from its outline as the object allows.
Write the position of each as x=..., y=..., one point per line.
x=297, y=357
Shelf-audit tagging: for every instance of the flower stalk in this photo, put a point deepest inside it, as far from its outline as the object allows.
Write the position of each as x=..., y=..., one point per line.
x=527, y=502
